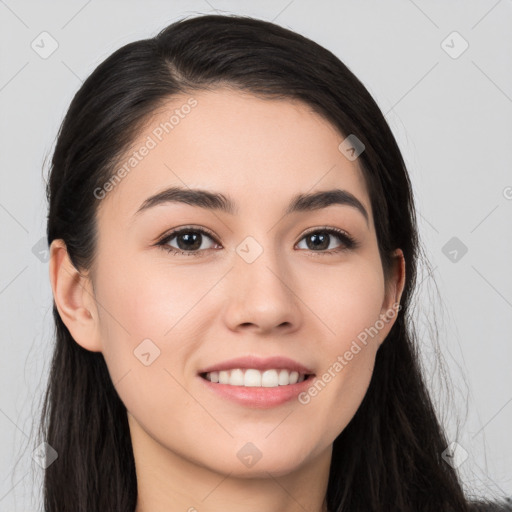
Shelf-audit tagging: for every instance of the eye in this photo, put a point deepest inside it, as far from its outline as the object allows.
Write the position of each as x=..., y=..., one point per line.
x=189, y=241
x=321, y=237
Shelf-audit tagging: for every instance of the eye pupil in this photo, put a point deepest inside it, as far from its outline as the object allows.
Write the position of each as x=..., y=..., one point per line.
x=321, y=244
x=189, y=237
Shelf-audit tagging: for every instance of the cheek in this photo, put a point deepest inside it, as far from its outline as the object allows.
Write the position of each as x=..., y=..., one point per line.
x=148, y=299
x=348, y=301
x=142, y=335
x=350, y=307
x=150, y=302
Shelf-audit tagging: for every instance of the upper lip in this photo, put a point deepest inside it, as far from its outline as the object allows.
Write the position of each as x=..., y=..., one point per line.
x=246, y=362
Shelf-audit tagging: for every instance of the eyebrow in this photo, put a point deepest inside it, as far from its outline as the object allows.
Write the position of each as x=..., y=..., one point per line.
x=217, y=201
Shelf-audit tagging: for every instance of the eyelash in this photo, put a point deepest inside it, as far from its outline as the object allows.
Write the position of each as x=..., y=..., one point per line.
x=348, y=242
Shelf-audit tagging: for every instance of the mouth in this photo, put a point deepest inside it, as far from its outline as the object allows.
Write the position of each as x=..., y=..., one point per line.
x=255, y=382
x=257, y=389
x=253, y=378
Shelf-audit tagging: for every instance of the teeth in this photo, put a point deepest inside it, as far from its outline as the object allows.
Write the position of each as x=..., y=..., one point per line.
x=255, y=378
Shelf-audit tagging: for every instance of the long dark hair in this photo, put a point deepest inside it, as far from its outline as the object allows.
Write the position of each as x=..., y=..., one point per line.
x=389, y=457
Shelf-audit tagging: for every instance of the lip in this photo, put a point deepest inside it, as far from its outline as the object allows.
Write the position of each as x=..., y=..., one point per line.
x=247, y=362
x=258, y=397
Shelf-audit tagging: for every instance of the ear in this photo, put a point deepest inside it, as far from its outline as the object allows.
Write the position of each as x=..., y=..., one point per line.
x=74, y=298
x=394, y=289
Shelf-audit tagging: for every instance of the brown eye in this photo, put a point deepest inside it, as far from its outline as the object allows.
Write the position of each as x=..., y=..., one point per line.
x=320, y=240
x=188, y=241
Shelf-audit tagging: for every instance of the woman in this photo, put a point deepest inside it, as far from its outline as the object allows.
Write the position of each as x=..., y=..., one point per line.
x=233, y=252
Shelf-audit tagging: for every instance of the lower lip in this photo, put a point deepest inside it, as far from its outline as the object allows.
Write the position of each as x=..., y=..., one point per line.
x=259, y=397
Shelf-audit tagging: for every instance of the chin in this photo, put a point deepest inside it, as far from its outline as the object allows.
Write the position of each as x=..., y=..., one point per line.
x=241, y=466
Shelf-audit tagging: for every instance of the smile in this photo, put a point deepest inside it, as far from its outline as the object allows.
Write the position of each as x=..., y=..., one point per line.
x=255, y=378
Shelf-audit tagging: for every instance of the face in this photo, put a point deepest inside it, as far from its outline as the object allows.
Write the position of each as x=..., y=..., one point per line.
x=262, y=280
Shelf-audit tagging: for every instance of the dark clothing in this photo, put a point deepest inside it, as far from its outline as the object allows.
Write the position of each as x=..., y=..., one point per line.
x=483, y=506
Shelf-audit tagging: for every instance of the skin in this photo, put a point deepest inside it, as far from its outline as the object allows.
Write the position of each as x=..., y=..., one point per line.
x=201, y=310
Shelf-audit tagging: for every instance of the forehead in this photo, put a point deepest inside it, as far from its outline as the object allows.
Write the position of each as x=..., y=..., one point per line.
x=259, y=152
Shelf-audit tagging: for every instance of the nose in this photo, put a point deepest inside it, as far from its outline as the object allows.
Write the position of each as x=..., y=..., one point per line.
x=262, y=295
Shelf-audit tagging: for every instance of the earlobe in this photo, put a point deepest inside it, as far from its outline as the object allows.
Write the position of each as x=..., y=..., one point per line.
x=74, y=299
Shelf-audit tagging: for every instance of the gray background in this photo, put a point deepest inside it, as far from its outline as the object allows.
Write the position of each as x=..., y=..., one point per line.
x=451, y=115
